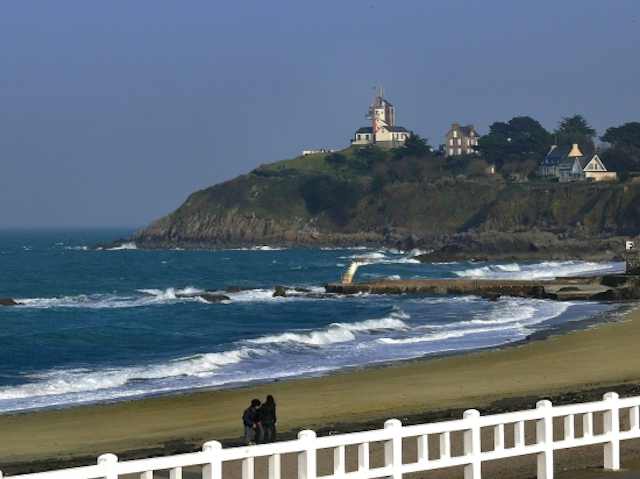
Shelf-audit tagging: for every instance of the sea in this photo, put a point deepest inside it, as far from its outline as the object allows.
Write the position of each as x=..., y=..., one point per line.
x=107, y=325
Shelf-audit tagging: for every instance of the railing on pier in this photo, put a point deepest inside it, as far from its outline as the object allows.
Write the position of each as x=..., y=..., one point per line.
x=467, y=442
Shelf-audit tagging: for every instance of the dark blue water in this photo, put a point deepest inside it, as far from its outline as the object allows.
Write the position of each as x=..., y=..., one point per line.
x=105, y=325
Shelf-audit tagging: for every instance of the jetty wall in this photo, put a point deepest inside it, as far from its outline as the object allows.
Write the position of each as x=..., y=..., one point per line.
x=560, y=288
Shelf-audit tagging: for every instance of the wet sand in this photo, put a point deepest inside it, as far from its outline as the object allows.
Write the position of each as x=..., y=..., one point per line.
x=578, y=366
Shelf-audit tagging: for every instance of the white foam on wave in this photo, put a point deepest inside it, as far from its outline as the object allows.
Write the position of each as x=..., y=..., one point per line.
x=254, y=295
x=373, y=255
x=406, y=260
x=171, y=293
x=383, y=257
x=258, y=248
x=153, y=296
x=330, y=335
x=521, y=313
x=440, y=299
x=514, y=316
x=106, y=301
x=95, y=301
x=431, y=337
x=262, y=295
x=543, y=270
x=490, y=271
x=333, y=333
x=585, y=268
x=123, y=246
x=69, y=381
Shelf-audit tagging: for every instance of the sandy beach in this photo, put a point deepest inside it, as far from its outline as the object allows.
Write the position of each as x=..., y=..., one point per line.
x=577, y=366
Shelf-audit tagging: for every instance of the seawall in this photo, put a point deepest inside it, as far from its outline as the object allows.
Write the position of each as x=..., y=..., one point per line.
x=559, y=288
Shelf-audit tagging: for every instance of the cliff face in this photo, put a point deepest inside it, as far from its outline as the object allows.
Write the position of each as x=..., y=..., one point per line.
x=276, y=210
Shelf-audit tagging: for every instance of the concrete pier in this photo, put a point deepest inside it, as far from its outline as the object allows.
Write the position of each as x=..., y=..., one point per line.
x=559, y=288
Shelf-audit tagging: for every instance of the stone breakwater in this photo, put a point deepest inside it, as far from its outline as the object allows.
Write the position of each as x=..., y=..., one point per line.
x=592, y=288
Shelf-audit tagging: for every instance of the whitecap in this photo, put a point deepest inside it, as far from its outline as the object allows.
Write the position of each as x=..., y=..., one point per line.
x=123, y=246
x=82, y=380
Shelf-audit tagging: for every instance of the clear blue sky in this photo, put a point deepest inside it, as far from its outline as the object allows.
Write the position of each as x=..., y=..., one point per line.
x=113, y=112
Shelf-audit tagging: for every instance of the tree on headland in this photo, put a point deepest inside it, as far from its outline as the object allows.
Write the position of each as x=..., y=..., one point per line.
x=624, y=154
x=520, y=139
x=338, y=163
x=337, y=199
x=576, y=130
x=414, y=147
x=369, y=156
x=625, y=138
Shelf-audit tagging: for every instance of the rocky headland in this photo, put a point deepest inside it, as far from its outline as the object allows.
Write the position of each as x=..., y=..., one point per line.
x=452, y=220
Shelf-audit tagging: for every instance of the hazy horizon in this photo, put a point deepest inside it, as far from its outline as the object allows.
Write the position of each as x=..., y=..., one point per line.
x=113, y=113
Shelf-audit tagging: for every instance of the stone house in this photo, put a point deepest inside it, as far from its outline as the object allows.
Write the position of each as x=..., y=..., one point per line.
x=461, y=140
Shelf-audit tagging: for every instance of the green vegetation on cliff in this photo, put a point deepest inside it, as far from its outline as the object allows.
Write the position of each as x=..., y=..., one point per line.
x=409, y=197
x=291, y=207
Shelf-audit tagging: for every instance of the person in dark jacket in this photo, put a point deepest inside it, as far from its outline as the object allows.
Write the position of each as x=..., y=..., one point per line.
x=251, y=421
x=269, y=419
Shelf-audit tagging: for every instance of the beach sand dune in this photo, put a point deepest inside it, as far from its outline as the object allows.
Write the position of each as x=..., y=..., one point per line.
x=579, y=366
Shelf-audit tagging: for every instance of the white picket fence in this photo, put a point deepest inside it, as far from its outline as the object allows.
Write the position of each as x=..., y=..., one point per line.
x=466, y=442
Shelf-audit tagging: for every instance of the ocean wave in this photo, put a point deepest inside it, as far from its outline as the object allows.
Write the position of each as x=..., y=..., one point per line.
x=123, y=246
x=510, y=317
x=151, y=296
x=542, y=270
x=333, y=333
x=107, y=301
x=171, y=293
x=523, y=313
x=432, y=336
x=80, y=380
x=94, y=301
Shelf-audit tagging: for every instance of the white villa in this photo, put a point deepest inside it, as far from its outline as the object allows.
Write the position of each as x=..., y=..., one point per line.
x=567, y=163
x=383, y=131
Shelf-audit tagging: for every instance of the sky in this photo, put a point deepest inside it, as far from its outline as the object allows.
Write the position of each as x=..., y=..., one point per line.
x=113, y=112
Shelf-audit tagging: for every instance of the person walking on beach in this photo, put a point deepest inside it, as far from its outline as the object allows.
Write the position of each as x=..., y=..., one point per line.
x=251, y=421
x=269, y=419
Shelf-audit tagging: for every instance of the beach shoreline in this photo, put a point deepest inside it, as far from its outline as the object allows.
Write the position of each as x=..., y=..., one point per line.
x=595, y=360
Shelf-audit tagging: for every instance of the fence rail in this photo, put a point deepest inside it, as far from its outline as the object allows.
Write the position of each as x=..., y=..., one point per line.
x=465, y=442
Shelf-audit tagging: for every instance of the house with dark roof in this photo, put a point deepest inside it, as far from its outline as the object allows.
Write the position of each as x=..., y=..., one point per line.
x=383, y=131
x=461, y=140
x=567, y=163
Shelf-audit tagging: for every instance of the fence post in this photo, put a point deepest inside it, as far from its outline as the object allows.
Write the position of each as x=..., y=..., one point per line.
x=612, y=429
x=544, y=435
x=473, y=470
x=109, y=461
x=307, y=458
x=393, y=448
x=213, y=467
